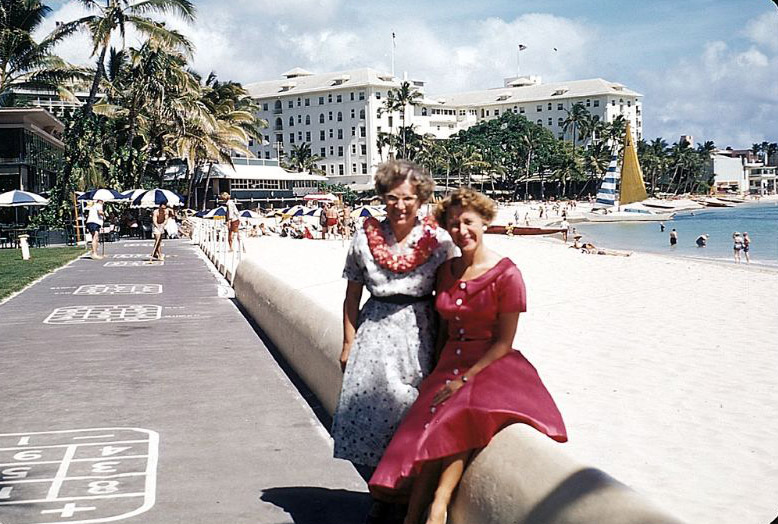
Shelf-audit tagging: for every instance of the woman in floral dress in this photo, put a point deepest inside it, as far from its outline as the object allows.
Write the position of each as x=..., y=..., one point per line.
x=388, y=346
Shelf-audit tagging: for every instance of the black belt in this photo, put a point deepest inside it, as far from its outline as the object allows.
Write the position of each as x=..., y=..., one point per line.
x=402, y=299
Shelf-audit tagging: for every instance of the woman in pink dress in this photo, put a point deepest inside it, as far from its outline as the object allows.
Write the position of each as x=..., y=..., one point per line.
x=480, y=384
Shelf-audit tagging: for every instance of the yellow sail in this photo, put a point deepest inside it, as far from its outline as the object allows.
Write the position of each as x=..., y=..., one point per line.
x=633, y=189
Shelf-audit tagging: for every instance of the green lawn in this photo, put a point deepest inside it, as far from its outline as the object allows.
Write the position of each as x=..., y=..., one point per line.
x=16, y=273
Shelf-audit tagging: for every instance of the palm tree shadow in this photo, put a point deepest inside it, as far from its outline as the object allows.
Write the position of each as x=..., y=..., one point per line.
x=312, y=505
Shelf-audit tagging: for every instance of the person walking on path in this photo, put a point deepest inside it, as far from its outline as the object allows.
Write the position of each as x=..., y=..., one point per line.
x=233, y=218
x=158, y=223
x=94, y=222
x=673, y=237
x=565, y=225
x=388, y=345
x=480, y=384
x=746, y=246
x=737, y=245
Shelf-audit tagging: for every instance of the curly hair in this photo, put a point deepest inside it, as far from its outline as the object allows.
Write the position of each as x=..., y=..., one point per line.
x=469, y=200
x=395, y=172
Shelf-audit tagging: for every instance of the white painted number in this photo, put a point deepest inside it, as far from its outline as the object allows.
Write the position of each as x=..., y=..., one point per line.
x=33, y=454
x=110, y=450
x=103, y=487
x=5, y=493
x=15, y=473
x=104, y=467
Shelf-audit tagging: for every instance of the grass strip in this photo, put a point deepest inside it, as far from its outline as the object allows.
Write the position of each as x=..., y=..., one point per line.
x=16, y=273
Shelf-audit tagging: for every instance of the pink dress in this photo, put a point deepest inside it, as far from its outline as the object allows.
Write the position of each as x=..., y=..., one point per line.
x=507, y=391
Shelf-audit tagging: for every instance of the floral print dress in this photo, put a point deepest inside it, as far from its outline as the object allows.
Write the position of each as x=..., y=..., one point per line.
x=392, y=350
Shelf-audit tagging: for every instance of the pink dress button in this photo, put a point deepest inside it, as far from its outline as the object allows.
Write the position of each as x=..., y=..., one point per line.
x=462, y=285
x=458, y=302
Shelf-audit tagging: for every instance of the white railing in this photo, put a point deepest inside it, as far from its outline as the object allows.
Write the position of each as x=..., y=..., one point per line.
x=211, y=236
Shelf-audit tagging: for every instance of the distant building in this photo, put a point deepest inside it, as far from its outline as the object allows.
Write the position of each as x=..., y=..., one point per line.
x=50, y=100
x=729, y=173
x=761, y=179
x=31, y=150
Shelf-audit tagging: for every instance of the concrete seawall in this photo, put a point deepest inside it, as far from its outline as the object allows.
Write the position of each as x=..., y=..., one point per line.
x=520, y=477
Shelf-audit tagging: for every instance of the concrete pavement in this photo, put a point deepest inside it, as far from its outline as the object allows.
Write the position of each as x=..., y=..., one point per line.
x=134, y=392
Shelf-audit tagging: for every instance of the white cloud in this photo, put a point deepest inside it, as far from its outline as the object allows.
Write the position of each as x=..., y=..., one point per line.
x=763, y=29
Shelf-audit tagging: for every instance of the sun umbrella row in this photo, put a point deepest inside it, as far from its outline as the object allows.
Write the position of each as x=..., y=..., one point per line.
x=137, y=197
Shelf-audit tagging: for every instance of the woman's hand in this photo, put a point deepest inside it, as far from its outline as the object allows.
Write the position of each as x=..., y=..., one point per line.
x=446, y=391
x=344, y=356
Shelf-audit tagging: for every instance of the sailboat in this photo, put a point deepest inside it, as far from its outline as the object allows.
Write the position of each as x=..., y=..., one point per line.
x=622, y=190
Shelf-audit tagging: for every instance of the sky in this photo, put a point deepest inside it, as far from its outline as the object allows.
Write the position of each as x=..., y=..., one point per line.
x=706, y=68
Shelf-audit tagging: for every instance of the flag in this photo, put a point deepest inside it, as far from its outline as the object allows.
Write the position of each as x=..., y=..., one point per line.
x=394, y=44
x=555, y=49
x=522, y=47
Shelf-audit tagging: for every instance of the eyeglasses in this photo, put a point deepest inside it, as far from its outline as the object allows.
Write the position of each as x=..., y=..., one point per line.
x=393, y=200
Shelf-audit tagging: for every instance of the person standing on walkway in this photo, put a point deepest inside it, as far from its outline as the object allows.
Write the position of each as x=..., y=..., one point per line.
x=94, y=222
x=388, y=346
x=158, y=223
x=233, y=218
x=746, y=246
x=673, y=237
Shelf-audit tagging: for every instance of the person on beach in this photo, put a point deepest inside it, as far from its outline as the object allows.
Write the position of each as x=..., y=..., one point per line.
x=565, y=225
x=746, y=246
x=661, y=227
x=332, y=220
x=94, y=222
x=233, y=218
x=702, y=240
x=388, y=346
x=159, y=221
x=323, y=221
x=737, y=245
x=480, y=384
x=673, y=237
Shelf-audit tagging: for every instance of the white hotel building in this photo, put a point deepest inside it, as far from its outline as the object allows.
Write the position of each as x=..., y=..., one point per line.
x=337, y=113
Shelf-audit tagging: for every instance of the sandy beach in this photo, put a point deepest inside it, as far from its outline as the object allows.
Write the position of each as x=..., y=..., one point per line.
x=663, y=368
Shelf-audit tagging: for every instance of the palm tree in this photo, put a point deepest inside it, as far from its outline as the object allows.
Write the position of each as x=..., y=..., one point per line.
x=398, y=101
x=615, y=132
x=117, y=15
x=301, y=159
x=23, y=61
x=575, y=116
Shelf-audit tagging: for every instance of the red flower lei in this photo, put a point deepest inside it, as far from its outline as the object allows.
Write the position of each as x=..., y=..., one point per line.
x=422, y=250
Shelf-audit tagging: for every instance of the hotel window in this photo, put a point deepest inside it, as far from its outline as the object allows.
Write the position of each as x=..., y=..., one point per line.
x=340, y=150
x=340, y=134
x=560, y=106
x=560, y=122
x=353, y=131
x=339, y=98
x=307, y=136
x=264, y=106
x=423, y=111
x=307, y=120
x=321, y=100
x=329, y=98
x=332, y=133
x=391, y=121
x=330, y=116
x=613, y=102
x=332, y=150
x=251, y=142
x=549, y=106
x=353, y=149
x=300, y=136
x=321, y=135
x=353, y=113
x=362, y=132
x=290, y=104
x=291, y=121
x=351, y=94
x=363, y=148
x=353, y=168
x=596, y=103
x=378, y=95
x=307, y=102
x=587, y=102
x=267, y=138
x=340, y=169
x=323, y=152
x=487, y=112
x=291, y=138
x=267, y=154
x=521, y=110
x=540, y=122
x=496, y=112
x=539, y=108
x=629, y=103
x=361, y=114
x=550, y=121
x=299, y=101
x=340, y=116
x=279, y=138
x=332, y=169
x=299, y=119
x=321, y=118
x=361, y=95
x=364, y=168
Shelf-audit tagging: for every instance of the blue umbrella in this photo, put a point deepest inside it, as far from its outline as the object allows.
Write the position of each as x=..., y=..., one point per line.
x=294, y=211
x=17, y=198
x=201, y=214
x=106, y=195
x=218, y=212
x=132, y=194
x=247, y=213
x=157, y=197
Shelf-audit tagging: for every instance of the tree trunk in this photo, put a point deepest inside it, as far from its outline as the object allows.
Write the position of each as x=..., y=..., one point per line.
x=95, y=82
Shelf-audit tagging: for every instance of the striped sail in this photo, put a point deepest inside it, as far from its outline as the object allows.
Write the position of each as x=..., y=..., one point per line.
x=606, y=196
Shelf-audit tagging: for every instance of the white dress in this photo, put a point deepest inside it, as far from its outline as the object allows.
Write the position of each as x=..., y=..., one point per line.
x=392, y=350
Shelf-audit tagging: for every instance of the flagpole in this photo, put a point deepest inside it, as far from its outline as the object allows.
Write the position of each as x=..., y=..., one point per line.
x=392, y=53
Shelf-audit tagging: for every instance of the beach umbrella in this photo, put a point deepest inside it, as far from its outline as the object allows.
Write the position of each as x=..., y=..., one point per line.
x=247, y=213
x=320, y=197
x=201, y=214
x=294, y=211
x=156, y=197
x=132, y=194
x=220, y=211
x=106, y=195
x=17, y=198
x=315, y=212
x=367, y=211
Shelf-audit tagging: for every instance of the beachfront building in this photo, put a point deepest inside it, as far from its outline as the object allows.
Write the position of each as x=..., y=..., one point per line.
x=31, y=149
x=337, y=113
x=729, y=175
x=253, y=182
x=50, y=100
x=761, y=179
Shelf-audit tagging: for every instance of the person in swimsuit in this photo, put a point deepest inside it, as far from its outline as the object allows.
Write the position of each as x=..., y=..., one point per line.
x=746, y=246
x=737, y=245
x=158, y=221
x=673, y=237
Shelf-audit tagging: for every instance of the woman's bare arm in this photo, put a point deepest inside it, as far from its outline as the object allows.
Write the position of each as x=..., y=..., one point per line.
x=350, y=313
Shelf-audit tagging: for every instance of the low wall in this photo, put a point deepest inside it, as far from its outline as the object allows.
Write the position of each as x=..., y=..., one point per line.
x=521, y=477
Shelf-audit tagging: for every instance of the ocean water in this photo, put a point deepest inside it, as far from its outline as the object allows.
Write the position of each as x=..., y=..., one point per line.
x=759, y=220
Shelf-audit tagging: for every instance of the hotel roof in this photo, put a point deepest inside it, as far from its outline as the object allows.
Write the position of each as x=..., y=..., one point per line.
x=298, y=81
x=535, y=92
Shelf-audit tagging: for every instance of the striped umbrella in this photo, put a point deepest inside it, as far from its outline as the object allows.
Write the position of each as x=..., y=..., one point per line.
x=367, y=211
x=132, y=194
x=157, y=197
x=220, y=211
x=17, y=198
x=247, y=213
x=294, y=211
x=201, y=214
x=315, y=212
x=106, y=195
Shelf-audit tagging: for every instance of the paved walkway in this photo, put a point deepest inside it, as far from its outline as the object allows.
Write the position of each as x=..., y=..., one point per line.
x=133, y=392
